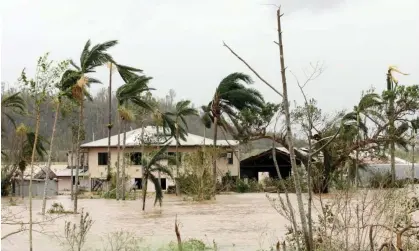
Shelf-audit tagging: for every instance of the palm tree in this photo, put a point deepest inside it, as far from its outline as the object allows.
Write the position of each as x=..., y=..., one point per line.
x=364, y=109
x=130, y=93
x=12, y=103
x=230, y=97
x=77, y=81
x=25, y=141
x=127, y=73
x=152, y=164
x=62, y=93
x=182, y=109
x=391, y=87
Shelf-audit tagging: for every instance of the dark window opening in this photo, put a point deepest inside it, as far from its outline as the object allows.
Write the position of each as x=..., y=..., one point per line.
x=74, y=180
x=138, y=183
x=102, y=159
x=136, y=158
x=163, y=184
x=230, y=158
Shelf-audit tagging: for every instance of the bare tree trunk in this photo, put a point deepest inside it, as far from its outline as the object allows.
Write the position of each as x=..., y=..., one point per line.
x=309, y=180
x=108, y=177
x=38, y=119
x=296, y=176
x=392, y=129
x=158, y=148
x=44, y=198
x=177, y=161
x=71, y=167
x=357, y=151
x=214, y=158
x=287, y=197
x=78, y=154
x=118, y=168
x=145, y=179
x=124, y=160
x=21, y=186
x=144, y=175
x=413, y=158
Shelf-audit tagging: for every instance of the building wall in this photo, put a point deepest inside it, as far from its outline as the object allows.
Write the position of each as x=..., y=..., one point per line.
x=37, y=188
x=64, y=183
x=134, y=171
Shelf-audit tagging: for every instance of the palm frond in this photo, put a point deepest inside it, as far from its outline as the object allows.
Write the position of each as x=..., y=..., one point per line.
x=97, y=56
x=127, y=73
x=14, y=101
x=40, y=149
x=160, y=153
x=157, y=186
x=162, y=169
x=85, y=52
x=74, y=65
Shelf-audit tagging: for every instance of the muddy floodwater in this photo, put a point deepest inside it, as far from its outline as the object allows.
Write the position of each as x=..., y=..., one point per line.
x=233, y=221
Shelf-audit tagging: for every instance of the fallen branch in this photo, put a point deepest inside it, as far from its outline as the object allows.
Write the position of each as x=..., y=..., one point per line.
x=255, y=72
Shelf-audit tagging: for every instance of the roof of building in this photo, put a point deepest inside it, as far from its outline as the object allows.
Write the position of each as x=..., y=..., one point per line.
x=39, y=169
x=133, y=138
x=257, y=152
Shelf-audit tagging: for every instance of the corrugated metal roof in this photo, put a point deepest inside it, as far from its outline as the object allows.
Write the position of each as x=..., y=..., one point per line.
x=38, y=167
x=150, y=134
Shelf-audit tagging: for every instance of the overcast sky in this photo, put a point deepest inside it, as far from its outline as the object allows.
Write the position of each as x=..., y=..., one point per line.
x=179, y=43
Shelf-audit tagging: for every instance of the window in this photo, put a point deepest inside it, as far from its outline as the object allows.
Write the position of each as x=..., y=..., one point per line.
x=136, y=158
x=74, y=180
x=138, y=183
x=102, y=159
x=230, y=158
x=163, y=183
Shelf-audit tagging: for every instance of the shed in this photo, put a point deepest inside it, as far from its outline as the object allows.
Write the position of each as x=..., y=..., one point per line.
x=37, y=187
x=264, y=163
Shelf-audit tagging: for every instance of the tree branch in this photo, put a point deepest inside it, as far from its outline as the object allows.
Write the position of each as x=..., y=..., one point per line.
x=255, y=72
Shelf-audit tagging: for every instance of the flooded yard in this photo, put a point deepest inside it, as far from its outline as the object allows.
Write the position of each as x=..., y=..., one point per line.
x=234, y=222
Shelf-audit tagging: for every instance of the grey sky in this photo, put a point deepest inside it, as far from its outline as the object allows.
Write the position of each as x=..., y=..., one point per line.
x=179, y=43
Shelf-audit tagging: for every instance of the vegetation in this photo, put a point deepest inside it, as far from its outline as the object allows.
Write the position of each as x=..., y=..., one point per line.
x=58, y=208
x=152, y=164
x=379, y=123
x=196, y=177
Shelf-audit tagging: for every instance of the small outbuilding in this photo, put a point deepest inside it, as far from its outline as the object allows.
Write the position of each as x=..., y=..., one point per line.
x=262, y=164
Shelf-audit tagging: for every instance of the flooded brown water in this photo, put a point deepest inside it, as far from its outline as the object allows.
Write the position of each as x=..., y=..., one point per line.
x=234, y=222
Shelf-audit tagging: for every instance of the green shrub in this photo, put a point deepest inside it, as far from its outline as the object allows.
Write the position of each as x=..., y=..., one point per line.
x=251, y=186
x=289, y=185
x=190, y=245
x=58, y=208
x=383, y=180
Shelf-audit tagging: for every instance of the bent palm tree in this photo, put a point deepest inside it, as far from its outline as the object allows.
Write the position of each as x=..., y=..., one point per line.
x=130, y=93
x=76, y=81
x=182, y=110
x=58, y=101
x=365, y=109
x=126, y=73
x=151, y=165
x=230, y=97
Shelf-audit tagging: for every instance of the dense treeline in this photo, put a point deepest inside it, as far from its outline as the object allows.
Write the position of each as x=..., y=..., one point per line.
x=95, y=120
